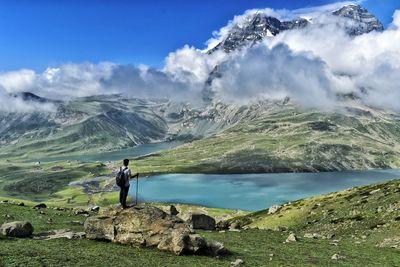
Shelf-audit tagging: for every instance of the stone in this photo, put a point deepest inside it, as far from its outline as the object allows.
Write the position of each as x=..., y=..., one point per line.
x=40, y=206
x=202, y=221
x=217, y=248
x=17, y=229
x=374, y=191
x=81, y=212
x=150, y=227
x=292, y=238
x=63, y=233
x=237, y=263
x=222, y=225
x=21, y=204
x=95, y=208
x=173, y=210
x=235, y=226
x=337, y=257
x=274, y=209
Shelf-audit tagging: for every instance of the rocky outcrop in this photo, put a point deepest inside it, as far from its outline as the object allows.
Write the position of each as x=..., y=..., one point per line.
x=150, y=227
x=17, y=229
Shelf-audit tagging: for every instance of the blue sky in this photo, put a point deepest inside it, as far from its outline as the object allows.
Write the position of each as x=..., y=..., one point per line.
x=38, y=34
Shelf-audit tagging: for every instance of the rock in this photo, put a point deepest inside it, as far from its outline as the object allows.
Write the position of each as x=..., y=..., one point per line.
x=95, y=208
x=173, y=210
x=237, y=263
x=202, y=221
x=217, y=248
x=63, y=233
x=274, y=209
x=81, y=212
x=391, y=243
x=21, y=204
x=40, y=206
x=148, y=226
x=337, y=257
x=4, y=201
x=235, y=226
x=222, y=225
x=292, y=238
x=17, y=229
x=374, y=191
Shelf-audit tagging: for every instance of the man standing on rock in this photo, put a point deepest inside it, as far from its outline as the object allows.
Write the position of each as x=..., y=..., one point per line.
x=124, y=188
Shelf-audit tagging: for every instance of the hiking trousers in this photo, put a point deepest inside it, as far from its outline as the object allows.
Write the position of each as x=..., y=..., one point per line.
x=123, y=194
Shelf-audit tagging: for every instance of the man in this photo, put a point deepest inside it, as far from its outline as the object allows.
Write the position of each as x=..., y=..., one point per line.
x=123, y=193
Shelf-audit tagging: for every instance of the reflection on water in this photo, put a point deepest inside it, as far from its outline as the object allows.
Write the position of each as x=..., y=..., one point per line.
x=251, y=191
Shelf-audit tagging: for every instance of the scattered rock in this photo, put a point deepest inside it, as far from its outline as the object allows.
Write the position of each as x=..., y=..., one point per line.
x=337, y=257
x=8, y=216
x=235, y=226
x=202, y=221
x=77, y=222
x=292, y=238
x=4, y=201
x=63, y=233
x=217, y=248
x=81, y=212
x=17, y=229
x=151, y=227
x=274, y=209
x=390, y=243
x=222, y=225
x=237, y=263
x=173, y=211
x=21, y=204
x=59, y=209
x=95, y=208
x=40, y=206
x=374, y=191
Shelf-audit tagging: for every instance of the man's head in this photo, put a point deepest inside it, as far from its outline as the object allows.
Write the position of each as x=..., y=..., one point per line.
x=126, y=162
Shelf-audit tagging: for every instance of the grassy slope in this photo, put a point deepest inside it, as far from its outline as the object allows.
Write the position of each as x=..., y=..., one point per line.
x=368, y=214
x=287, y=139
x=253, y=246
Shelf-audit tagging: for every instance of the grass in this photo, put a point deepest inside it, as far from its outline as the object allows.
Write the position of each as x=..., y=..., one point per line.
x=254, y=246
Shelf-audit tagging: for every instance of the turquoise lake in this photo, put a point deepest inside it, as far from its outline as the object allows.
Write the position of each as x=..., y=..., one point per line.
x=251, y=191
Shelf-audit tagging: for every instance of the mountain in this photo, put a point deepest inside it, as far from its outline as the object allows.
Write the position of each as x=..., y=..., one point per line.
x=363, y=21
x=259, y=25
x=102, y=123
x=282, y=137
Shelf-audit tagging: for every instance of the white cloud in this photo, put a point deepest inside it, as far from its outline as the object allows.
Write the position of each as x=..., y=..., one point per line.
x=310, y=65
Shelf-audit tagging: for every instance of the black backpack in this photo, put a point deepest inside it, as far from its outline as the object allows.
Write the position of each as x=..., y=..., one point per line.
x=120, y=178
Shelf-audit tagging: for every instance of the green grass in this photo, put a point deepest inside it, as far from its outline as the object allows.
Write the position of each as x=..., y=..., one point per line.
x=253, y=246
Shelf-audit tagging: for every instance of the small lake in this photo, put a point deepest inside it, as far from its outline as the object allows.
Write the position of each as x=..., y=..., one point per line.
x=251, y=191
x=132, y=152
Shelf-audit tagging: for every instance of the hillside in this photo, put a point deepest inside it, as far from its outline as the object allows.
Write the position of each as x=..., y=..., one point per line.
x=285, y=138
x=363, y=226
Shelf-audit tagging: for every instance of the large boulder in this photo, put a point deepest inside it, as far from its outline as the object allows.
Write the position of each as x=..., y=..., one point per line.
x=202, y=221
x=17, y=229
x=146, y=226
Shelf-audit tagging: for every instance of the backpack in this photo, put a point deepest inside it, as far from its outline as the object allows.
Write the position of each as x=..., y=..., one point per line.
x=120, y=178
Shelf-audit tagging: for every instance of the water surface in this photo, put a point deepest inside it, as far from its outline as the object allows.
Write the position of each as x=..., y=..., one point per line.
x=251, y=191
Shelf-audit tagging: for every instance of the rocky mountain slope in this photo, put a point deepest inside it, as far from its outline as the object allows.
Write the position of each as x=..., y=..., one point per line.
x=259, y=25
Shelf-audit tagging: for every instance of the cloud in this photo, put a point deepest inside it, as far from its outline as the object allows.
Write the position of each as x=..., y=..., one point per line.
x=311, y=66
x=263, y=73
